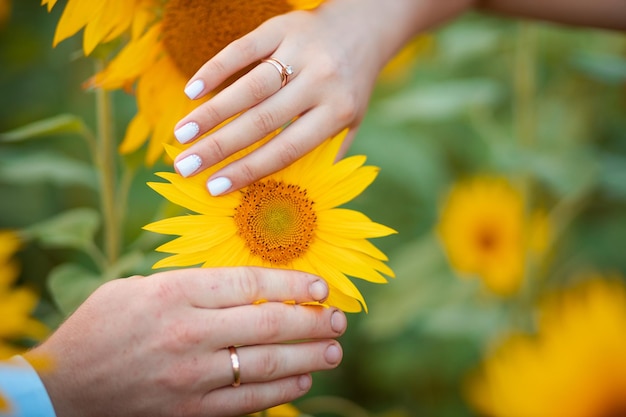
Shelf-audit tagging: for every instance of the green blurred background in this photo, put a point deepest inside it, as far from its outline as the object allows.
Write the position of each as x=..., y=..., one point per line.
x=490, y=95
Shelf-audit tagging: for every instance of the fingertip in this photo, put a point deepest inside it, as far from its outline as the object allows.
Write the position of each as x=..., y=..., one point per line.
x=318, y=290
x=305, y=382
x=333, y=354
x=338, y=322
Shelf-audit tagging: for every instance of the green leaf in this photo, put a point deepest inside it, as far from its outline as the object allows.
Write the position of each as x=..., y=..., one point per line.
x=63, y=123
x=602, y=66
x=127, y=264
x=70, y=285
x=440, y=101
x=46, y=167
x=72, y=229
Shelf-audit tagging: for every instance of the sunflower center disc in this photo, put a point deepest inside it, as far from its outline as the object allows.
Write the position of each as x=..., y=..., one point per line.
x=276, y=220
x=195, y=30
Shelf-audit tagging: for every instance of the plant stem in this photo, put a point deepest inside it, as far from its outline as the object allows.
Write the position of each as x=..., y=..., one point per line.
x=524, y=85
x=106, y=161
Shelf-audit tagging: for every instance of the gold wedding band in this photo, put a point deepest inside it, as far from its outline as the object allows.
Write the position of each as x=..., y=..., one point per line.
x=234, y=360
x=284, y=70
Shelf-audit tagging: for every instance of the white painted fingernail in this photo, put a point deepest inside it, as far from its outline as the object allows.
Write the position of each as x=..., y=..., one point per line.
x=194, y=89
x=188, y=165
x=219, y=185
x=187, y=132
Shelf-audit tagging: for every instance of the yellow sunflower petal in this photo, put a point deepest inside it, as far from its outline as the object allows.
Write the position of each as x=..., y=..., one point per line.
x=136, y=135
x=76, y=15
x=176, y=196
x=351, y=262
x=333, y=174
x=231, y=253
x=343, y=294
x=176, y=225
x=98, y=28
x=347, y=189
x=332, y=275
x=131, y=62
x=200, y=241
x=344, y=302
x=178, y=260
x=195, y=189
x=360, y=245
x=351, y=224
x=49, y=3
x=305, y=4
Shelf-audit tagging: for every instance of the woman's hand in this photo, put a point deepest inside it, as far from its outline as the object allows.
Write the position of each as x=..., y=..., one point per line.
x=158, y=345
x=334, y=70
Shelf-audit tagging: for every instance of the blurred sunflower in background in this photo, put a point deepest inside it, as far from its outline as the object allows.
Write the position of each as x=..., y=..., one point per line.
x=486, y=232
x=5, y=12
x=575, y=366
x=287, y=220
x=283, y=410
x=169, y=41
x=16, y=303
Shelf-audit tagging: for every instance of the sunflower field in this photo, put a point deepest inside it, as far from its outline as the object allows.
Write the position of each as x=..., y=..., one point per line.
x=501, y=145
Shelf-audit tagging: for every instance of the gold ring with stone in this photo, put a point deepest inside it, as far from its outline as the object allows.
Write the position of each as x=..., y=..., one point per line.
x=284, y=70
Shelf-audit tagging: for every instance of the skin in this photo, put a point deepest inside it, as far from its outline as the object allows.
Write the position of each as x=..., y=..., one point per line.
x=157, y=345
x=337, y=52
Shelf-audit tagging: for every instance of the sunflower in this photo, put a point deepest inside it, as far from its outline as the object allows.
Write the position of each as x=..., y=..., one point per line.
x=5, y=12
x=169, y=42
x=402, y=65
x=283, y=410
x=575, y=366
x=286, y=220
x=16, y=303
x=482, y=230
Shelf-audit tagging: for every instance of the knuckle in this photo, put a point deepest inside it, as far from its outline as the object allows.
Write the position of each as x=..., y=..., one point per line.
x=288, y=152
x=165, y=290
x=347, y=109
x=264, y=121
x=245, y=47
x=248, y=284
x=249, y=399
x=216, y=150
x=210, y=113
x=269, y=365
x=329, y=69
x=247, y=173
x=259, y=87
x=216, y=66
x=178, y=336
x=269, y=323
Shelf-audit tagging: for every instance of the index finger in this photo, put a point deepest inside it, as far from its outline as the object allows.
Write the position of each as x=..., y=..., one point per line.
x=236, y=56
x=236, y=286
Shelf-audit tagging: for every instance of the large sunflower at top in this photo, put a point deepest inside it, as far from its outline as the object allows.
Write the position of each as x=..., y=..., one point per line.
x=169, y=41
x=290, y=219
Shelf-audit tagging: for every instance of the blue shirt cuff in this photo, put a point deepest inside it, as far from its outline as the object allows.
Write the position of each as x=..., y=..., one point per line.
x=22, y=388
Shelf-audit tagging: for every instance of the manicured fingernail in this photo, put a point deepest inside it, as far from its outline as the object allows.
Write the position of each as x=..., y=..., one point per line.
x=188, y=165
x=187, y=132
x=219, y=185
x=332, y=354
x=318, y=290
x=338, y=321
x=194, y=89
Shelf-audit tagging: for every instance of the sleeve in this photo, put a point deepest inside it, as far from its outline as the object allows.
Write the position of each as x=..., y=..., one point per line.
x=22, y=389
